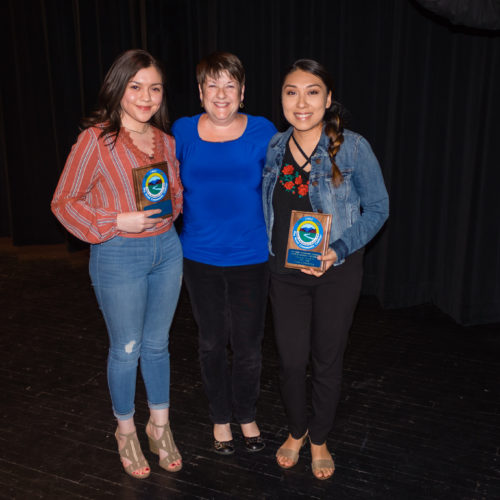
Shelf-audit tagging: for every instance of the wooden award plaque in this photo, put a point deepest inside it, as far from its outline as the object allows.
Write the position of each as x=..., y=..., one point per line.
x=152, y=189
x=308, y=237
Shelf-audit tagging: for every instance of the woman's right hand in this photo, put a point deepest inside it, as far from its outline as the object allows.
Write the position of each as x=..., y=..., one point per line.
x=137, y=222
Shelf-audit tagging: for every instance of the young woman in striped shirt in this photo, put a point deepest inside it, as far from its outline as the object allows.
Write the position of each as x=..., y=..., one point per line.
x=135, y=257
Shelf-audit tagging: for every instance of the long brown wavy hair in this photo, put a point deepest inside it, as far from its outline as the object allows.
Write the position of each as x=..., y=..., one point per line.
x=334, y=115
x=108, y=113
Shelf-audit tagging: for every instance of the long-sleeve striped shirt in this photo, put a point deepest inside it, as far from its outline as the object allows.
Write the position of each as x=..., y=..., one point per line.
x=96, y=184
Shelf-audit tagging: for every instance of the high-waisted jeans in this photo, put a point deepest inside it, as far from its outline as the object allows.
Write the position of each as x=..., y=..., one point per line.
x=229, y=305
x=137, y=283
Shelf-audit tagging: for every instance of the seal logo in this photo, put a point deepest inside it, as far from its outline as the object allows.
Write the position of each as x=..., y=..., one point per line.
x=155, y=184
x=307, y=233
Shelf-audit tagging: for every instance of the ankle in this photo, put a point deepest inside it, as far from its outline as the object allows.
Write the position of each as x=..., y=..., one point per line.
x=318, y=446
x=319, y=450
x=222, y=432
x=124, y=428
x=158, y=417
x=250, y=429
x=300, y=440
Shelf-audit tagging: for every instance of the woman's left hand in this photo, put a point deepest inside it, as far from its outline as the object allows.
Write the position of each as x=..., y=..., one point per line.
x=330, y=258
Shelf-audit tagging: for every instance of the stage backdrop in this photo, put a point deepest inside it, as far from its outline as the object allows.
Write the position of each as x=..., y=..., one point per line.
x=423, y=91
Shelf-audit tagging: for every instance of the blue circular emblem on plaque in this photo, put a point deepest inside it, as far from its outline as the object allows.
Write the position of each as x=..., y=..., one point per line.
x=307, y=233
x=155, y=184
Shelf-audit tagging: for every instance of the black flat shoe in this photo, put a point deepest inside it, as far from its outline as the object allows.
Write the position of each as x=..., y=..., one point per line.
x=254, y=443
x=224, y=447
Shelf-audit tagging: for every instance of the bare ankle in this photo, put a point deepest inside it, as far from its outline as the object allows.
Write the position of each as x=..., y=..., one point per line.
x=222, y=432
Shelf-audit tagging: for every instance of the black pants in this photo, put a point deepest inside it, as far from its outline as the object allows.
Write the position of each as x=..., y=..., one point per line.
x=229, y=305
x=312, y=318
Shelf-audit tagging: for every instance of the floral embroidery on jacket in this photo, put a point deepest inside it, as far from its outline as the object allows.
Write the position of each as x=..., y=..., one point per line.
x=291, y=179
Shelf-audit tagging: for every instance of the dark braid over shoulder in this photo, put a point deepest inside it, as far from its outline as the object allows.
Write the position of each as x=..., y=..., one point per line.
x=334, y=129
x=334, y=115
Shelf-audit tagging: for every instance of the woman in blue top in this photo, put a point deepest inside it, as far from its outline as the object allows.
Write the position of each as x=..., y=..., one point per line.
x=221, y=154
x=317, y=166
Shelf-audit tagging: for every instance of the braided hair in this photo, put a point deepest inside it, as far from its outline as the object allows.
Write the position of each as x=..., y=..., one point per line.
x=334, y=115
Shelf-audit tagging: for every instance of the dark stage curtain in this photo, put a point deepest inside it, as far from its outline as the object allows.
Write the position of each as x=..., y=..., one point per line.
x=483, y=14
x=421, y=89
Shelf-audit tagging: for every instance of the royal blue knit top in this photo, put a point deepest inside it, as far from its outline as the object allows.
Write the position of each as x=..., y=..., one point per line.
x=223, y=220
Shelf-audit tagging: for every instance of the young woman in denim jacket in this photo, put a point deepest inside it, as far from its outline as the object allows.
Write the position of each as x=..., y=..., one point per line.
x=317, y=166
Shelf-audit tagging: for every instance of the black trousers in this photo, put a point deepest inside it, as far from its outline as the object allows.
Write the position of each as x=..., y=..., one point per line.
x=229, y=305
x=312, y=317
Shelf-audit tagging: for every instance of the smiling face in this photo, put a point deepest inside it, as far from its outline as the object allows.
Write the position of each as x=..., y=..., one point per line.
x=142, y=98
x=221, y=97
x=305, y=99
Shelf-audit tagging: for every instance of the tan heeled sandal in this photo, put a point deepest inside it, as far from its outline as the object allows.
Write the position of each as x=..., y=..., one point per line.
x=292, y=455
x=322, y=463
x=166, y=443
x=132, y=452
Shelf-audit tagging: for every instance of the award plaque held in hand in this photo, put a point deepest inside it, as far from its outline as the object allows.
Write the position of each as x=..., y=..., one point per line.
x=308, y=237
x=152, y=189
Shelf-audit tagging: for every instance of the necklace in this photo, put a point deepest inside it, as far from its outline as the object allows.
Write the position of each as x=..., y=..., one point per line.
x=306, y=157
x=137, y=131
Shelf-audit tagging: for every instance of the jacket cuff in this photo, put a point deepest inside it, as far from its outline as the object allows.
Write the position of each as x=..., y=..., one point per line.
x=340, y=248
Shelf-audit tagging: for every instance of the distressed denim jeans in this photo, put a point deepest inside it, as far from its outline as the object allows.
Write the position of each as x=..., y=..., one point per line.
x=137, y=283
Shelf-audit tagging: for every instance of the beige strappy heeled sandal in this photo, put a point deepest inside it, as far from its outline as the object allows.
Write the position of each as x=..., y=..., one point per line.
x=132, y=452
x=166, y=443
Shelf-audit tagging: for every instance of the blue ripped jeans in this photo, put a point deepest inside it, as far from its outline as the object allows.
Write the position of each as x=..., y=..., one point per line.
x=137, y=283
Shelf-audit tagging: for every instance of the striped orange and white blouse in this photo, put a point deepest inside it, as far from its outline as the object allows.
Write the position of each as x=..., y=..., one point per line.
x=96, y=184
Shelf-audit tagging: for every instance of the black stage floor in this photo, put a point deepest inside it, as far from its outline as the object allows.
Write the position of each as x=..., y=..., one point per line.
x=419, y=416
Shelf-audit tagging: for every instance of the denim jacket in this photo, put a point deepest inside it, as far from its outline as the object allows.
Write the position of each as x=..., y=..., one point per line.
x=359, y=206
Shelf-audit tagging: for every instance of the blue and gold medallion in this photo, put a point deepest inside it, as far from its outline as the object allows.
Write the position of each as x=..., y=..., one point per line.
x=308, y=238
x=307, y=233
x=152, y=189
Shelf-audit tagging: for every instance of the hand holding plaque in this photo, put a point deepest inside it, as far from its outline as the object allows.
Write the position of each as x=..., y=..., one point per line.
x=152, y=189
x=308, y=238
